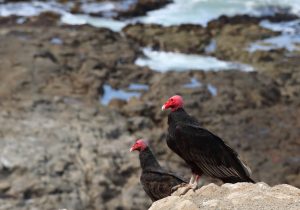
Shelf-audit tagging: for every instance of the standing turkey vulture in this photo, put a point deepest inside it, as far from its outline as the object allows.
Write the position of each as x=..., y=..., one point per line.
x=156, y=182
x=204, y=152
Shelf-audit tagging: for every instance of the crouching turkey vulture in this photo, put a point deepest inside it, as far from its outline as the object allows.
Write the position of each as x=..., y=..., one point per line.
x=156, y=182
x=204, y=152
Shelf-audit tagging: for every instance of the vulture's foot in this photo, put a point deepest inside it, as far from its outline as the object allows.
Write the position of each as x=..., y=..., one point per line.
x=184, y=188
x=175, y=188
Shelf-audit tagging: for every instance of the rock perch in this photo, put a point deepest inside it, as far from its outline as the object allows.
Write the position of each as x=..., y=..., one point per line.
x=244, y=196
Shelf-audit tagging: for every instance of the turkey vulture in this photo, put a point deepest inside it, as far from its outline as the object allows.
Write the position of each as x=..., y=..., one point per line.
x=204, y=152
x=156, y=182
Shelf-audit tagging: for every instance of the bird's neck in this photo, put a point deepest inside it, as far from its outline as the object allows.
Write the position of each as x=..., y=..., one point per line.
x=147, y=160
x=177, y=116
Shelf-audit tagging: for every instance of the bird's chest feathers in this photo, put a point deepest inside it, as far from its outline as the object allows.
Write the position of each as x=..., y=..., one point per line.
x=174, y=137
x=172, y=127
x=176, y=121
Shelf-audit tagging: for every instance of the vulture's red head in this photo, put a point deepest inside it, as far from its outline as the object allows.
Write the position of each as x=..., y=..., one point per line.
x=139, y=145
x=173, y=103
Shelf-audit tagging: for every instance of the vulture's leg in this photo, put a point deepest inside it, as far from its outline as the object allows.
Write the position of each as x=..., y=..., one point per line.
x=199, y=181
x=191, y=185
x=194, y=181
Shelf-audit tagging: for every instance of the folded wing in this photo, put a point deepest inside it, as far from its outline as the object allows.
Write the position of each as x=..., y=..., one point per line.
x=208, y=152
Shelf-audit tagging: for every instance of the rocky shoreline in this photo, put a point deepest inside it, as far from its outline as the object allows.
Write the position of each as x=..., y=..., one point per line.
x=61, y=148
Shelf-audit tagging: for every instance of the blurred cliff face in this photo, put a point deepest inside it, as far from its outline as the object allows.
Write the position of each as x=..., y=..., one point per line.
x=61, y=146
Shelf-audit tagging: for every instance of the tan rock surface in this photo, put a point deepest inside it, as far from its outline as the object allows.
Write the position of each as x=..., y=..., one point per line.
x=244, y=196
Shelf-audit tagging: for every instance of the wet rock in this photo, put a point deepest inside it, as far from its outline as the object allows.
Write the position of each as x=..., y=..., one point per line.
x=136, y=107
x=117, y=103
x=233, y=40
x=183, y=38
x=139, y=123
x=60, y=70
x=224, y=20
x=118, y=9
x=44, y=19
x=233, y=37
x=4, y=186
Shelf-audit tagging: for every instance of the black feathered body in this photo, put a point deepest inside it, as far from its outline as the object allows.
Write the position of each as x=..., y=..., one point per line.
x=156, y=182
x=203, y=151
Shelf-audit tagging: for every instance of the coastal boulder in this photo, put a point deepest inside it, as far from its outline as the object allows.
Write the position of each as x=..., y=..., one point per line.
x=233, y=196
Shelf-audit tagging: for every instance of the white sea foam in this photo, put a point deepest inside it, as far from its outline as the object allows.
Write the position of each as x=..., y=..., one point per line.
x=289, y=42
x=32, y=8
x=289, y=38
x=97, y=7
x=290, y=27
x=76, y=19
x=167, y=61
x=202, y=11
x=178, y=12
